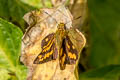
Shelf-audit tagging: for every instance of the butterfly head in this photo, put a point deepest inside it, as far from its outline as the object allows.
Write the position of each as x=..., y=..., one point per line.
x=61, y=26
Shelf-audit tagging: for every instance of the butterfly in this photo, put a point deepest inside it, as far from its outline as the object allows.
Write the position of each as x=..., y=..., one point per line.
x=66, y=52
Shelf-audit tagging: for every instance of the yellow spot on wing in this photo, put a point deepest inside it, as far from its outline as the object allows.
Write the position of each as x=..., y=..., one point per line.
x=48, y=47
x=48, y=43
x=73, y=47
x=71, y=55
x=46, y=39
x=48, y=54
x=61, y=50
x=41, y=59
x=39, y=56
x=68, y=45
x=63, y=60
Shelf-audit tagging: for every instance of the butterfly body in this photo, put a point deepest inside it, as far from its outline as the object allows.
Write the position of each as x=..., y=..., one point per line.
x=58, y=45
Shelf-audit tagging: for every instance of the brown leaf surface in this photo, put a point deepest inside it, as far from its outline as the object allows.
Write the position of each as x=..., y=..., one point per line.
x=42, y=23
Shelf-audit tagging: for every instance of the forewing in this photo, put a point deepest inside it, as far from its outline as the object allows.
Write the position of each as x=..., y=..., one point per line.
x=71, y=51
x=49, y=50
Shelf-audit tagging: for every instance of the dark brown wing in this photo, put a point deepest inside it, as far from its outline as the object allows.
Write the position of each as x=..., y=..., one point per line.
x=49, y=51
x=68, y=54
x=72, y=53
x=62, y=56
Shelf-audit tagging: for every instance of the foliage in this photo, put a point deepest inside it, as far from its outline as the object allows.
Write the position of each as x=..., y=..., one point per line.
x=10, y=44
x=105, y=41
x=111, y=72
x=105, y=32
x=14, y=10
x=38, y=3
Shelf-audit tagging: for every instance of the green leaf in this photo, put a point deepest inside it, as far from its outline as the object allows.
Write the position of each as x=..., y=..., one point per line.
x=4, y=74
x=13, y=11
x=10, y=46
x=105, y=32
x=111, y=72
x=10, y=43
x=21, y=72
x=38, y=3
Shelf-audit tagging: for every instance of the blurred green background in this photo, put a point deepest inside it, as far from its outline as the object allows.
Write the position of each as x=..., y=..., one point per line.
x=104, y=38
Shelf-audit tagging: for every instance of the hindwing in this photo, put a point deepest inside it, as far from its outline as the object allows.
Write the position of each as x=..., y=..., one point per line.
x=68, y=53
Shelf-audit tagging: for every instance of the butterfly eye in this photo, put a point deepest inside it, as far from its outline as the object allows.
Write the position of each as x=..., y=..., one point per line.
x=61, y=26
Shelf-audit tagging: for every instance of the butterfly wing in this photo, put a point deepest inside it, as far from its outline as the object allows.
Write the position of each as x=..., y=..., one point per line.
x=49, y=50
x=68, y=54
x=72, y=53
x=62, y=56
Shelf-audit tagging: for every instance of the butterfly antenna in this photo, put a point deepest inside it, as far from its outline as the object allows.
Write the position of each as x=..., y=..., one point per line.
x=73, y=19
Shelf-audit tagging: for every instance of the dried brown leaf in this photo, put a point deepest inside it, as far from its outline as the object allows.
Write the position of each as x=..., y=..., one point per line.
x=42, y=23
